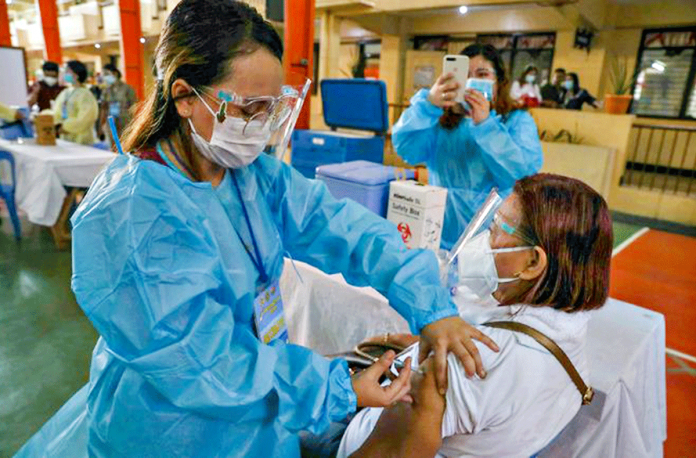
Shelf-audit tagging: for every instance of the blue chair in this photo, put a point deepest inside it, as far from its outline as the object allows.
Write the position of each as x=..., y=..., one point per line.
x=7, y=193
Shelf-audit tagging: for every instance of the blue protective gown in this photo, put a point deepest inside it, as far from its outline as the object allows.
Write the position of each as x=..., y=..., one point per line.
x=469, y=160
x=160, y=271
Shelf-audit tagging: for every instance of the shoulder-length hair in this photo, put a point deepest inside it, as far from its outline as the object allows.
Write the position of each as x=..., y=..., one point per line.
x=571, y=222
x=503, y=104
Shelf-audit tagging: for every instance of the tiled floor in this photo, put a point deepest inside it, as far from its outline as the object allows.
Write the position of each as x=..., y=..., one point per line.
x=45, y=339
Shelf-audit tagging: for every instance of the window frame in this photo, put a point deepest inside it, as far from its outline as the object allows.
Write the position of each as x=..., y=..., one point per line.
x=516, y=36
x=690, y=79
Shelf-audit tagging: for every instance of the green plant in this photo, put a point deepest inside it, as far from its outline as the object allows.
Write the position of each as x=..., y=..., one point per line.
x=619, y=77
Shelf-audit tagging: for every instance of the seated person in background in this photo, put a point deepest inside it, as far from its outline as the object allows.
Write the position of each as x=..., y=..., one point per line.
x=544, y=263
x=75, y=110
x=47, y=89
x=576, y=96
x=525, y=91
x=553, y=93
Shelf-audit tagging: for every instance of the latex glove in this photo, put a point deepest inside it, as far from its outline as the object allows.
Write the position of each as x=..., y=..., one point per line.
x=453, y=335
x=369, y=391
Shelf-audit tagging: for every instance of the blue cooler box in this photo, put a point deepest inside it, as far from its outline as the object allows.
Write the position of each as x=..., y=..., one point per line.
x=365, y=182
x=356, y=104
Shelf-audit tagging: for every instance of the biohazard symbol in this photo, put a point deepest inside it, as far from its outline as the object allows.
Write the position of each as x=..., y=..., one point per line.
x=405, y=230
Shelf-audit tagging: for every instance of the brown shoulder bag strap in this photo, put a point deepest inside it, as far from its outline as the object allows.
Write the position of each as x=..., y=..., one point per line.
x=585, y=391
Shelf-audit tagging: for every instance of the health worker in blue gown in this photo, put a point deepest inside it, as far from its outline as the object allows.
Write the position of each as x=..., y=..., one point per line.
x=178, y=248
x=489, y=144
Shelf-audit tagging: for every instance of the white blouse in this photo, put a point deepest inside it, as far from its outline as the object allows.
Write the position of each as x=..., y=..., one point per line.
x=530, y=90
x=524, y=402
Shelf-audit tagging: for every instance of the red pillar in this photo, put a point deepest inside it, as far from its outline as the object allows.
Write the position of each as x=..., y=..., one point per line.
x=49, y=22
x=299, y=48
x=5, y=37
x=130, y=45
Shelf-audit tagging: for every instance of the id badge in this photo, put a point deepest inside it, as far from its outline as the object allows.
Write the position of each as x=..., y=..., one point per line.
x=269, y=316
x=115, y=109
x=64, y=112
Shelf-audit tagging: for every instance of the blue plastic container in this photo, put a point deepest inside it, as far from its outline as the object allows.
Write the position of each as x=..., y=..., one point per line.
x=362, y=181
x=356, y=104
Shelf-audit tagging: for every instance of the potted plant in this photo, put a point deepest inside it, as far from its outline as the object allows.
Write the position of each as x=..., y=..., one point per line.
x=621, y=82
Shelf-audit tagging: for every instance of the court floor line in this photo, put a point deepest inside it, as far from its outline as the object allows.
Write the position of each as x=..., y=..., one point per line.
x=629, y=240
x=681, y=355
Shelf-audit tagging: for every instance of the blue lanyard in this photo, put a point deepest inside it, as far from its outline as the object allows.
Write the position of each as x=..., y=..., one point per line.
x=258, y=263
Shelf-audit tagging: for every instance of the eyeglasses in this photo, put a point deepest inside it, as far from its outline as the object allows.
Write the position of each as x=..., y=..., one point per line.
x=262, y=109
x=500, y=224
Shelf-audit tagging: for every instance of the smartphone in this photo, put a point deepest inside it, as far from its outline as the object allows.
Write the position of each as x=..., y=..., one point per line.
x=459, y=67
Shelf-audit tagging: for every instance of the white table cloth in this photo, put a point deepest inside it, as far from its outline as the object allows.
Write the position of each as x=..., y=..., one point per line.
x=43, y=171
x=626, y=352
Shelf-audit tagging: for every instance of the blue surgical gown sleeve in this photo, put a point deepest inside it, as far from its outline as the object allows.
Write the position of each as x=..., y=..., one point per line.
x=149, y=276
x=509, y=148
x=415, y=134
x=341, y=236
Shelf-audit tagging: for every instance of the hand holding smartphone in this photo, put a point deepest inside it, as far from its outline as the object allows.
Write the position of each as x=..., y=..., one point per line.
x=458, y=66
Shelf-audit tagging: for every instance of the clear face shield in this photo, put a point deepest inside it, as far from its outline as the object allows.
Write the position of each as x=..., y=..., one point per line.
x=275, y=115
x=471, y=263
x=479, y=223
x=295, y=98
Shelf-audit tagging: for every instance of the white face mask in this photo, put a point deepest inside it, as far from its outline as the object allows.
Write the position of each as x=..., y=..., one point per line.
x=477, y=270
x=530, y=79
x=230, y=145
x=50, y=80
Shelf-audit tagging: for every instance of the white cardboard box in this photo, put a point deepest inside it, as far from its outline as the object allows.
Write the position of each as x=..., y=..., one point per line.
x=418, y=211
